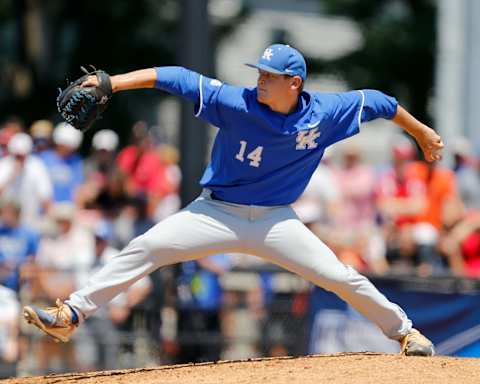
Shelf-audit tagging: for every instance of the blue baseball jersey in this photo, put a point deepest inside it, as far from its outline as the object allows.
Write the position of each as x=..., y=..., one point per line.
x=66, y=174
x=16, y=244
x=261, y=157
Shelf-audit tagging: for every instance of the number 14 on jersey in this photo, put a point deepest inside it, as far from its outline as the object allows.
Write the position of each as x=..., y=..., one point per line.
x=255, y=156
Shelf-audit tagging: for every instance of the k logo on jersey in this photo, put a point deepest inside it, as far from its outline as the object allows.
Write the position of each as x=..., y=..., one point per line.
x=306, y=139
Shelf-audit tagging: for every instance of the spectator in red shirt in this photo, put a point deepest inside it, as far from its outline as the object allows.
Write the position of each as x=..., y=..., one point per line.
x=140, y=161
x=163, y=197
x=401, y=198
x=462, y=246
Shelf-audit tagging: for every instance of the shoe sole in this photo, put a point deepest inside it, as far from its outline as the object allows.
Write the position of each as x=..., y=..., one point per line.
x=32, y=318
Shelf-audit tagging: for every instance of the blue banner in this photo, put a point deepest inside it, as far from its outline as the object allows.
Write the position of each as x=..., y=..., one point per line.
x=447, y=311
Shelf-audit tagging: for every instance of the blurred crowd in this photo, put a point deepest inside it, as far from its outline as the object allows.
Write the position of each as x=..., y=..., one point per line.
x=63, y=215
x=407, y=217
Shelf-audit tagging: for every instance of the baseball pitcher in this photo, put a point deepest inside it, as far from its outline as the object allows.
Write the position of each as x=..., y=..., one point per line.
x=271, y=138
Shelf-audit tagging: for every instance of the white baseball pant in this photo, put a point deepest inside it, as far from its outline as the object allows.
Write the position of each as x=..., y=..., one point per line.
x=208, y=226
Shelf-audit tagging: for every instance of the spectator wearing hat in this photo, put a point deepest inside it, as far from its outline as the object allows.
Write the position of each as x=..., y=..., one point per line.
x=64, y=165
x=98, y=167
x=24, y=178
x=41, y=131
x=102, y=161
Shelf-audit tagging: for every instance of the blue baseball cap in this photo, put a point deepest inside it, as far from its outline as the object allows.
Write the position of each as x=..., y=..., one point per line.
x=282, y=60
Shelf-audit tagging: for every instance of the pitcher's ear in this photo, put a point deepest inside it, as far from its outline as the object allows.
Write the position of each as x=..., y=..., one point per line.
x=297, y=83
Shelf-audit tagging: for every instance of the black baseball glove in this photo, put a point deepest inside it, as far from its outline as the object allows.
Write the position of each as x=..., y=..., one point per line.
x=80, y=106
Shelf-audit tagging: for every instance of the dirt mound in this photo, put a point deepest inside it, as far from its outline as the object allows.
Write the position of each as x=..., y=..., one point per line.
x=349, y=368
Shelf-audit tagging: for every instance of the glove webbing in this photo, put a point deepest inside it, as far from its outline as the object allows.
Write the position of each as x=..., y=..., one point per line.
x=76, y=105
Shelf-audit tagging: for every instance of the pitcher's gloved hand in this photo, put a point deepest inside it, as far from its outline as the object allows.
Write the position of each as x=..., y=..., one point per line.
x=85, y=99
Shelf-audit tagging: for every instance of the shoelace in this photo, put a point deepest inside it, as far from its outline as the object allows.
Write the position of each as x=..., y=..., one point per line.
x=59, y=313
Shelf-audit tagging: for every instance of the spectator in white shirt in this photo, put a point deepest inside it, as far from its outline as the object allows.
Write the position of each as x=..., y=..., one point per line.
x=25, y=179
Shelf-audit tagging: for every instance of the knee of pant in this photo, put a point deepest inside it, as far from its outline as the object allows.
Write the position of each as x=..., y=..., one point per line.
x=150, y=245
x=140, y=244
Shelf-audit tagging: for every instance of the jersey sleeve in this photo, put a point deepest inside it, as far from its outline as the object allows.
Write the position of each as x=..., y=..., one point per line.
x=343, y=115
x=219, y=103
x=213, y=99
x=348, y=110
x=178, y=81
x=377, y=105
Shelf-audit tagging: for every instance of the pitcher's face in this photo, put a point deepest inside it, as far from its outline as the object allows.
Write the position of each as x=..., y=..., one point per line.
x=272, y=87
